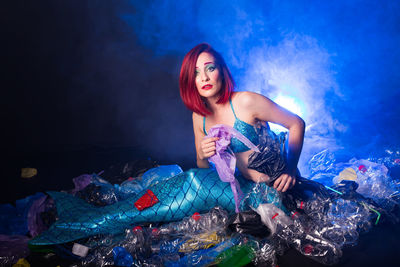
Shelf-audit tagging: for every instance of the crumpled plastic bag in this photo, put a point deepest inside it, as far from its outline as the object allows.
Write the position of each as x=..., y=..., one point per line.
x=225, y=160
x=159, y=173
x=248, y=222
x=14, y=219
x=271, y=159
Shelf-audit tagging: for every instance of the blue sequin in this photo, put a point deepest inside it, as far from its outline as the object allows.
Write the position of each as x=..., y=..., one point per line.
x=248, y=131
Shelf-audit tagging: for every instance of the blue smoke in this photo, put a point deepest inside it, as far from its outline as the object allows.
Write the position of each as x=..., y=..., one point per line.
x=337, y=59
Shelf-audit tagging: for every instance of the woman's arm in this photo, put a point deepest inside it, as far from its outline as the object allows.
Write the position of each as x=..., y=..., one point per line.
x=205, y=147
x=262, y=108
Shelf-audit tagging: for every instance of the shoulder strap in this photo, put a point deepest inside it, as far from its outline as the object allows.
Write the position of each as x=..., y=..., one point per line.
x=204, y=125
x=230, y=101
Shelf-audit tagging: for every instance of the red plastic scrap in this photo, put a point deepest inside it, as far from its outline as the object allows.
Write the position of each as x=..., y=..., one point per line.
x=196, y=216
x=146, y=201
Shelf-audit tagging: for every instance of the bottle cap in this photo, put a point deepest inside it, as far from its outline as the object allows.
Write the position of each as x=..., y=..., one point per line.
x=362, y=168
x=308, y=249
x=137, y=228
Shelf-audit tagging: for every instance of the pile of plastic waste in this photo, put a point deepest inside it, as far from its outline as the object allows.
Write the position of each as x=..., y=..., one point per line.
x=326, y=213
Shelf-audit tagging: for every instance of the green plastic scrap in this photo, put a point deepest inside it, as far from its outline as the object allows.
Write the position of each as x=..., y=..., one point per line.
x=236, y=256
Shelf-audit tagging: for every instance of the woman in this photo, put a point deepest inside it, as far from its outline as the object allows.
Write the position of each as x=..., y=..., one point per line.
x=206, y=88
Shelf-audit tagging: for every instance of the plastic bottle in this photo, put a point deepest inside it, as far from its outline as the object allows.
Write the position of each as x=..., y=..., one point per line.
x=135, y=242
x=215, y=220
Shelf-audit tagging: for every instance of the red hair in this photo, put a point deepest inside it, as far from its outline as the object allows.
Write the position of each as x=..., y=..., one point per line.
x=187, y=84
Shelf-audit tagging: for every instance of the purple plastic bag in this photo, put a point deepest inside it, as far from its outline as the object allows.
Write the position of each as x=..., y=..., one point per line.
x=12, y=248
x=225, y=160
x=13, y=219
x=35, y=223
x=81, y=182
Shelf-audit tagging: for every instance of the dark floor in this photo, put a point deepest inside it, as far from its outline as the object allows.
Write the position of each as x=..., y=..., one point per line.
x=379, y=247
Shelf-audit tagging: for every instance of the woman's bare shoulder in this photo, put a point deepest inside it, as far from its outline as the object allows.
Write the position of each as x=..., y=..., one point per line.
x=197, y=120
x=197, y=116
x=246, y=99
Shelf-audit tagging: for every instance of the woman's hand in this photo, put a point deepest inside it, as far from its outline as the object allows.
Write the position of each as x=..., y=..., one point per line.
x=285, y=182
x=207, y=147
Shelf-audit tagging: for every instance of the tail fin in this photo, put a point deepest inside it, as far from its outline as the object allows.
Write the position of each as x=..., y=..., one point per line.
x=66, y=228
x=67, y=204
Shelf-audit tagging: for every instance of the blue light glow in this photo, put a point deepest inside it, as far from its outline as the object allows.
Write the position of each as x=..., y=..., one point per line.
x=290, y=103
x=314, y=58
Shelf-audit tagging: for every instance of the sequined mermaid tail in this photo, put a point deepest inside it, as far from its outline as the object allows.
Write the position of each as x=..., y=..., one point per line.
x=196, y=190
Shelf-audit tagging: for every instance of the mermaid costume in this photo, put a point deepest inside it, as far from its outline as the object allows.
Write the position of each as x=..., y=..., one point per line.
x=195, y=190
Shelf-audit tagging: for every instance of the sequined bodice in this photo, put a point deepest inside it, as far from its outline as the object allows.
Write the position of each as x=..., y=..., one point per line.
x=244, y=128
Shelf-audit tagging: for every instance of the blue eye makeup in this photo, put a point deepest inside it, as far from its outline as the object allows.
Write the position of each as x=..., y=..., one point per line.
x=211, y=67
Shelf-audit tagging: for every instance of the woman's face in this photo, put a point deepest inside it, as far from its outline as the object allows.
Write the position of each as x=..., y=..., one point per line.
x=208, y=78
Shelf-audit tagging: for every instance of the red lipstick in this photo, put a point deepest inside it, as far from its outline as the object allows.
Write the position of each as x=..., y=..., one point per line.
x=207, y=87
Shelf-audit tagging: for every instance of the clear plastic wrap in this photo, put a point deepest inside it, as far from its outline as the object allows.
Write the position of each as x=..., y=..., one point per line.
x=261, y=193
x=215, y=220
x=309, y=242
x=344, y=220
x=265, y=255
x=372, y=176
x=102, y=252
x=390, y=158
x=128, y=188
x=271, y=216
x=159, y=173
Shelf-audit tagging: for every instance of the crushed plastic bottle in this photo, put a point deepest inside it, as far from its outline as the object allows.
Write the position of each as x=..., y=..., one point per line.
x=216, y=219
x=271, y=216
x=309, y=242
x=265, y=254
x=103, y=253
